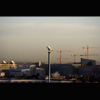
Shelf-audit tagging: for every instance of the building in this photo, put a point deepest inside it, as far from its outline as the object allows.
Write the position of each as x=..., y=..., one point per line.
x=89, y=67
x=30, y=70
x=85, y=70
x=41, y=71
x=20, y=66
x=45, y=67
x=96, y=70
x=88, y=62
x=38, y=63
x=63, y=69
x=5, y=66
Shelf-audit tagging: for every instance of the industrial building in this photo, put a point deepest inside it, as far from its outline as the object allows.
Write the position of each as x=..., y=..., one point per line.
x=6, y=66
x=38, y=63
x=19, y=71
x=89, y=67
x=41, y=71
x=45, y=67
x=88, y=62
x=32, y=69
x=63, y=69
x=12, y=68
x=86, y=66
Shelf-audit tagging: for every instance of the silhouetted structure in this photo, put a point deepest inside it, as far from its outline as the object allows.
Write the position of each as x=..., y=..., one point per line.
x=63, y=69
x=88, y=67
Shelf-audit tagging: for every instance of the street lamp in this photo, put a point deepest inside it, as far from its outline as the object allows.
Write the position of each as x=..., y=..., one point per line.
x=49, y=48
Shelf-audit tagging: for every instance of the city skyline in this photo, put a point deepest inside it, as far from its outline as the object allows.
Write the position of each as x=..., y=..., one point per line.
x=26, y=38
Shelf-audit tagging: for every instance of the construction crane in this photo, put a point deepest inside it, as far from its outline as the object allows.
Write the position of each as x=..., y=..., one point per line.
x=83, y=55
x=60, y=55
x=88, y=49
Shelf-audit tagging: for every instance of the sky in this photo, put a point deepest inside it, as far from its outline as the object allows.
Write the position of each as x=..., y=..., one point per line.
x=24, y=39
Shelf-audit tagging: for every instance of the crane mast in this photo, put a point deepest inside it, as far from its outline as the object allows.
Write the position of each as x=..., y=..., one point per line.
x=89, y=48
x=61, y=54
x=83, y=55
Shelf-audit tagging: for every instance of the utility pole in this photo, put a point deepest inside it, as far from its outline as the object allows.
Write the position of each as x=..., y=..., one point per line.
x=50, y=49
x=49, y=64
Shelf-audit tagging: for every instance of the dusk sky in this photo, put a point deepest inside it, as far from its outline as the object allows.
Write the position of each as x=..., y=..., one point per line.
x=26, y=38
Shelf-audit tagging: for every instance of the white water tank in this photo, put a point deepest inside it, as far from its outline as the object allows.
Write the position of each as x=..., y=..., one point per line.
x=12, y=62
x=3, y=62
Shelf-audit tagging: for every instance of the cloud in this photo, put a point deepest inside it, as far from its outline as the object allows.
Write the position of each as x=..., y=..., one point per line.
x=47, y=28
x=6, y=26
